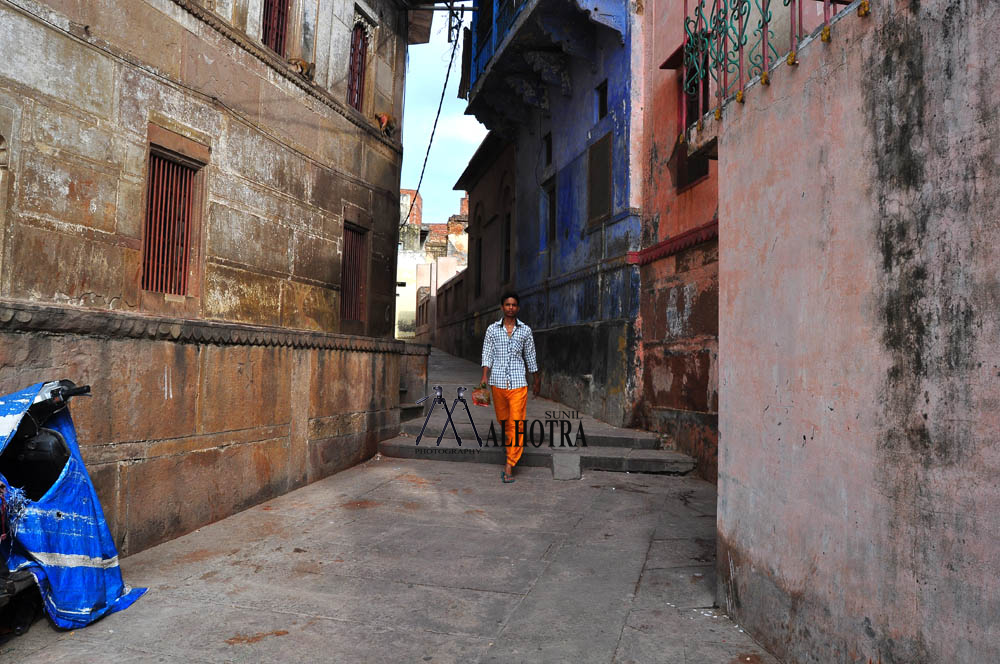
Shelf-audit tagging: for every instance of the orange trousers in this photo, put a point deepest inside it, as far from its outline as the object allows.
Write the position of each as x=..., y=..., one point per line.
x=511, y=405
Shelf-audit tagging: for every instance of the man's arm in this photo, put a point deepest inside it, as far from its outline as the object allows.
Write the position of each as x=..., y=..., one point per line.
x=531, y=363
x=487, y=356
x=537, y=386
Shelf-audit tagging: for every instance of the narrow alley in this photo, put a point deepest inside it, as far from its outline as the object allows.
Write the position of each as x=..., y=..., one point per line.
x=403, y=560
x=740, y=255
x=551, y=428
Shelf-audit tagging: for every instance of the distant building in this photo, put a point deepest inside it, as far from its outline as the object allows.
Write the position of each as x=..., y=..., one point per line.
x=424, y=245
x=411, y=208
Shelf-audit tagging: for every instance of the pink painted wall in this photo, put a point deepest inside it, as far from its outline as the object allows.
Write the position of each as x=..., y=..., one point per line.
x=859, y=501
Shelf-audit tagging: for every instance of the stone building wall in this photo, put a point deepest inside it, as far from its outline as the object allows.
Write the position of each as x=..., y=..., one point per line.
x=472, y=308
x=248, y=384
x=859, y=381
x=289, y=162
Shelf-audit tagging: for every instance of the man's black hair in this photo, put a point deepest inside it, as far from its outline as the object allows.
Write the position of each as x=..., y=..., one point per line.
x=503, y=298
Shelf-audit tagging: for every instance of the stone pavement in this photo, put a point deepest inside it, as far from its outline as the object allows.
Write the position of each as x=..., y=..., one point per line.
x=608, y=447
x=428, y=561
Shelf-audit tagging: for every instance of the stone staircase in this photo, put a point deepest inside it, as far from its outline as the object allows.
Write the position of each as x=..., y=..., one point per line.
x=408, y=410
x=607, y=447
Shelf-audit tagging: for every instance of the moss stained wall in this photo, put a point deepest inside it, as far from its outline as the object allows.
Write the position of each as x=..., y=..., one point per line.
x=858, y=502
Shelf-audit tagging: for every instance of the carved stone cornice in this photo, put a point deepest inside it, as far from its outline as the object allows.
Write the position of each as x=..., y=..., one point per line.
x=27, y=317
x=272, y=60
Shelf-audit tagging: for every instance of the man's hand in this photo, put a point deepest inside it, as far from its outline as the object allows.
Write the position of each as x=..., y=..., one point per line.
x=537, y=387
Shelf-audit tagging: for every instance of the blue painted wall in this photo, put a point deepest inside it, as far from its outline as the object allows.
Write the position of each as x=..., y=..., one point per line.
x=578, y=250
x=577, y=291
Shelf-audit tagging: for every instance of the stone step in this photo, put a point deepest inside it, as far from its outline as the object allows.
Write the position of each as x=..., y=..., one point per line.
x=411, y=411
x=592, y=457
x=597, y=434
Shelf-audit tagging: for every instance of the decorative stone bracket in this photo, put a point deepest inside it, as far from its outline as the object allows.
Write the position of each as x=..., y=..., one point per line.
x=609, y=13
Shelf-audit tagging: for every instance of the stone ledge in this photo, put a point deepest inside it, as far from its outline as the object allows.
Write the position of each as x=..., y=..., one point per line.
x=414, y=348
x=55, y=319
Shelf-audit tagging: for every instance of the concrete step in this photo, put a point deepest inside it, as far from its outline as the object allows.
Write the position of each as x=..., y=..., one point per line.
x=596, y=433
x=410, y=411
x=592, y=457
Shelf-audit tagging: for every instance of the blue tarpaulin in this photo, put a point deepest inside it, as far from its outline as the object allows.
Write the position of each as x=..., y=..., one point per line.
x=62, y=538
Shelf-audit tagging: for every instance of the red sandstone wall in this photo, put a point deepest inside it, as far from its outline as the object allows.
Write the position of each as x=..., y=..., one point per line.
x=858, y=501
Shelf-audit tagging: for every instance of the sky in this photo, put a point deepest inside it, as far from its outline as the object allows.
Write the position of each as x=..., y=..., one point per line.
x=457, y=136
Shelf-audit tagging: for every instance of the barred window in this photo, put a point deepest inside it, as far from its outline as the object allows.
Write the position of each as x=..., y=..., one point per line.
x=170, y=193
x=359, y=56
x=275, y=25
x=689, y=169
x=352, y=275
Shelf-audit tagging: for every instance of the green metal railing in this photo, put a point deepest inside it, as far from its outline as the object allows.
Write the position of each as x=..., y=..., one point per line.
x=728, y=43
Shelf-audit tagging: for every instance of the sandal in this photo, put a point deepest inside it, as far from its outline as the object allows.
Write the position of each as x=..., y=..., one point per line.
x=505, y=478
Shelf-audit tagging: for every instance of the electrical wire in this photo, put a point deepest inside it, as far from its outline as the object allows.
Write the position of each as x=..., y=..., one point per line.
x=430, y=142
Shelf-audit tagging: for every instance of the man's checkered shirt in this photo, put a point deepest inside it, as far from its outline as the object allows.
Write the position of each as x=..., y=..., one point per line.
x=508, y=357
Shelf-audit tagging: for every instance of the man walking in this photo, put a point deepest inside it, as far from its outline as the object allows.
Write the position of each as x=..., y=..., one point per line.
x=508, y=352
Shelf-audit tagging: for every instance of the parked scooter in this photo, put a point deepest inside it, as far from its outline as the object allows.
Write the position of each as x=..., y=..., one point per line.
x=53, y=534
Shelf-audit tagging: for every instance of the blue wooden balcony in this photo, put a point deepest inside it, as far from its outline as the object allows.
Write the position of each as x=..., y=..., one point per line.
x=520, y=49
x=497, y=17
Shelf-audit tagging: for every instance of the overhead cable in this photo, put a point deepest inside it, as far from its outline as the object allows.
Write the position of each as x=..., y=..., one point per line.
x=430, y=142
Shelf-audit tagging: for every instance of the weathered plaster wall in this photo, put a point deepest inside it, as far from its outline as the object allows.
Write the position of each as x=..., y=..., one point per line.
x=486, y=209
x=577, y=291
x=214, y=418
x=406, y=296
x=680, y=352
x=858, y=501
x=425, y=331
x=680, y=290
x=286, y=170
